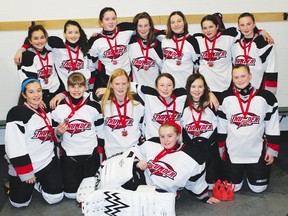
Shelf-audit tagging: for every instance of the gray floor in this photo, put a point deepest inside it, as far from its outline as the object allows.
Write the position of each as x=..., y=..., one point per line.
x=272, y=202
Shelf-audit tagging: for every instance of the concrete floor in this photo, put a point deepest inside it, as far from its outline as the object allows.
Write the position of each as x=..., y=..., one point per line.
x=272, y=202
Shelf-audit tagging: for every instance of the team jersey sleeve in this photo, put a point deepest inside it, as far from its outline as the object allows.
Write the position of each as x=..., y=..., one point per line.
x=222, y=129
x=15, y=145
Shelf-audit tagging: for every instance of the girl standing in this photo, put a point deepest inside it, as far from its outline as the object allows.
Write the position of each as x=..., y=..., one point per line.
x=144, y=51
x=199, y=121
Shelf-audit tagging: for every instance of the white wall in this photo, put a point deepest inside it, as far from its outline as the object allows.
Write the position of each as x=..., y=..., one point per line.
x=18, y=10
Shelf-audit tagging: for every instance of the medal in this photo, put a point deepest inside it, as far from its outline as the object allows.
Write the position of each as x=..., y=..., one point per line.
x=145, y=67
x=145, y=54
x=46, y=80
x=124, y=133
x=196, y=133
x=244, y=122
x=114, y=62
x=179, y=50
x=210, y=64
x=178, y=62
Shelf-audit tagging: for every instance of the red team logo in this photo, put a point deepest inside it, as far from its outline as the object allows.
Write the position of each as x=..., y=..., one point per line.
x=43, y=135
x=68, y=65
x=162, y=116
x=114, y=122
x=241, y=121
x=247, y=61
x=120, y=50
x=41, y=72
x=171, y=53
x=140, y=63
x=161, y=169
x=204, y=126
x=217, y=54
x=77, y=126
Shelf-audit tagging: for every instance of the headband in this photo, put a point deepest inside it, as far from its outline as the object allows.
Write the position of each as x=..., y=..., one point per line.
x=174, y=124
x=25, y=82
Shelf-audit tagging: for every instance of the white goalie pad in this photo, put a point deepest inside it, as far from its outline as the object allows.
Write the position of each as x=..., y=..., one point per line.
x=87, y=186
x=120, y=202
x=116, y=170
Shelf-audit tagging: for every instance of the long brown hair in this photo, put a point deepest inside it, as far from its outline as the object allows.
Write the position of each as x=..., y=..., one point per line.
x=151, y=34
x=169, y=32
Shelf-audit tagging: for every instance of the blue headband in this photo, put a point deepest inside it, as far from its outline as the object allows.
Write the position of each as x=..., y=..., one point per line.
x=25, y=82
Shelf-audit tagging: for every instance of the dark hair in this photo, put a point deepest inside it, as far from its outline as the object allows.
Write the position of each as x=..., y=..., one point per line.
x=169, y=32
x=205, y=97
x=246, y=14
x=219, y=18
x=237, y=66
x=24, y=84
x=167, y=75
x=145, y=15
x=211, y=18
x=104, y=10
x=83, y=42
x=33, y=28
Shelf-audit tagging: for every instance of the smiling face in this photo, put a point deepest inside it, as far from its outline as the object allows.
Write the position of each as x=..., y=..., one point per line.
x=143, y=28
x=177, y=24
x=168, y=136
x=209, y=29
x=38, y=40
x=33, y=94
x=241, y=77
x=76, y=91
x=120, y=86
x=197, y=89
x=72, y=34
x=246, y=25
x=109, y=21
x=165, y=87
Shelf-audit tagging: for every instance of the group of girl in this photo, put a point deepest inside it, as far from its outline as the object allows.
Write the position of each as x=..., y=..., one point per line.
x=124, y=119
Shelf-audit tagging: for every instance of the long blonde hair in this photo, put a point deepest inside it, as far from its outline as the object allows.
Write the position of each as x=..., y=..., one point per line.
x=109, y=94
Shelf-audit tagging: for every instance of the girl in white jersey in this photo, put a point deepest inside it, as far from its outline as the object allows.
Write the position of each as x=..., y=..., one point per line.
x=123, y=114
x=29, y=146
x=199, y=121
x=109, y=48
x=179, y=49
x=249, y=133
x=257, y=53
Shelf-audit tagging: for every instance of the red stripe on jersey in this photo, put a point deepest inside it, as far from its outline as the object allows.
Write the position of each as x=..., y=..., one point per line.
x=272, y=84
x=24, y=169
x=274, y=147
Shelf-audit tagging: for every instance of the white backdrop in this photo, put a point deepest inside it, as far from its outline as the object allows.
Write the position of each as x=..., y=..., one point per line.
x=19, y=10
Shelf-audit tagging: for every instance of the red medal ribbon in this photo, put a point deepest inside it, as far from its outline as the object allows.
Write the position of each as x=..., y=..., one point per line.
x=43, y=115
x=46, y=69
x=173, y=111
x=210, y=53
x=246, y=53
x=179, y=51
x=114, y=51
x=124, y=116
x=74, y=108
x=196, y=122
x=73, y=64
x=164, y=152
x=143, y=50
x=244, y=112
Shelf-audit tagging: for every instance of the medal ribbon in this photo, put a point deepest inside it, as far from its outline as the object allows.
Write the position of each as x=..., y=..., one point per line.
x=210, y=53
x=244, y=112
x=179, y=51
x=196, y=122
x=124, y=116
x=74, y=64
x=143, y=50
x=173, y=111
x=74, y=108
x=246, y=53
x=164, y=152
x=42, y=114
x=46, y=69
x=110, y=45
